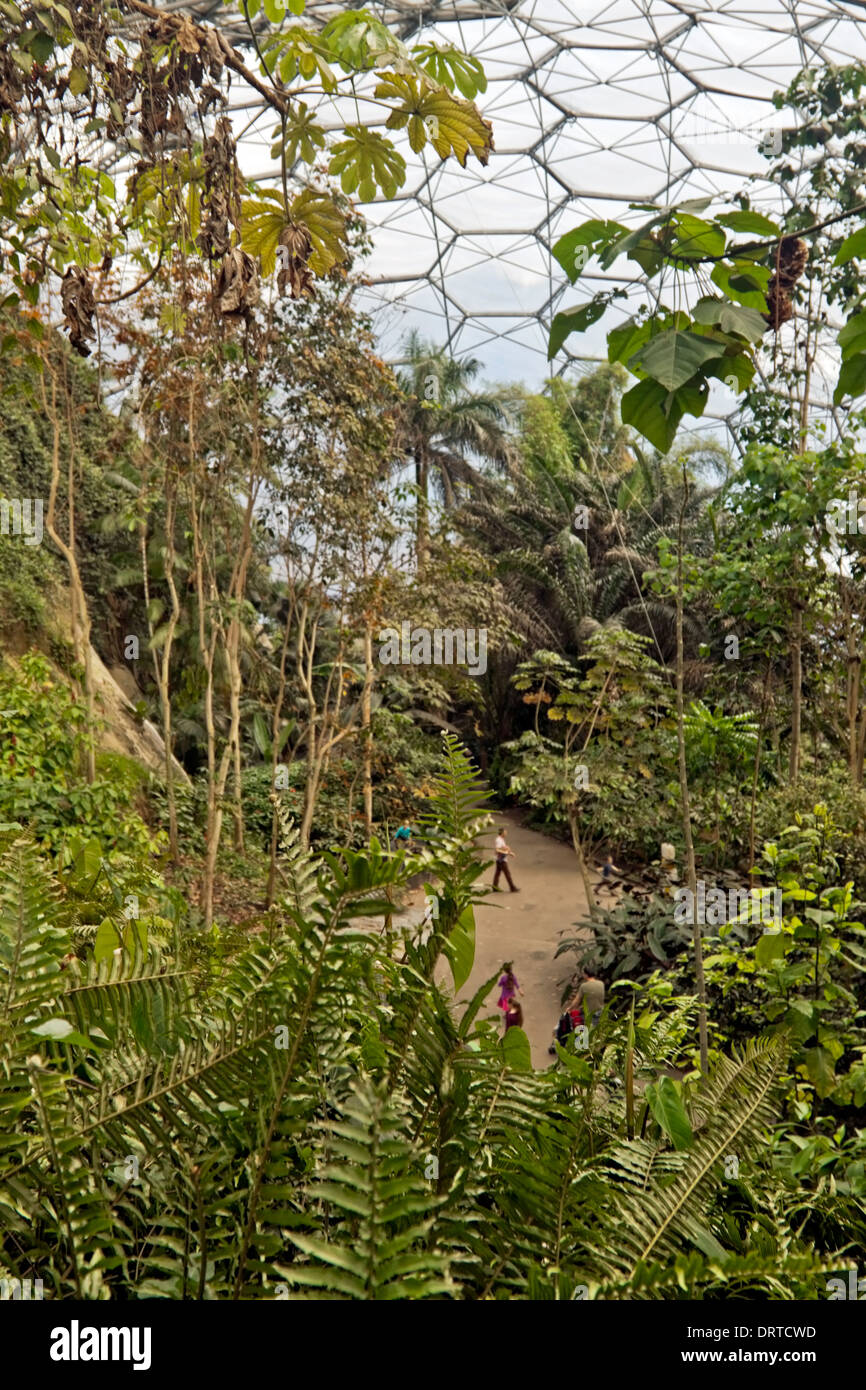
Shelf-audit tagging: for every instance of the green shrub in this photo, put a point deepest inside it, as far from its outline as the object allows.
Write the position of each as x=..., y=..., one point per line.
x=43, y=743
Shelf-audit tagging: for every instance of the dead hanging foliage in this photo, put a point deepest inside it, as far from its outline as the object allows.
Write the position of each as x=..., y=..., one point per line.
x=237, y=287
x=79, y=307
x=11, y=84
x=790, y=263
x=293, y=252
x=221, y=204
x=177, y=57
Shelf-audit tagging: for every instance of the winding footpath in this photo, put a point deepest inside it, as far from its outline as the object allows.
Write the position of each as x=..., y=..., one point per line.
x=525, y=928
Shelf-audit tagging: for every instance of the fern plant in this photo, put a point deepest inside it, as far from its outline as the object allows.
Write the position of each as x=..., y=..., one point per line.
x=323, y=1117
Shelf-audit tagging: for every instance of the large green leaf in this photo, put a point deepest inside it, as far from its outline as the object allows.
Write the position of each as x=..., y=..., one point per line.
x=108, y=940
x=358, y=39
x=656, y=413
x=451, y=68
x=743, y=281
x=674, y=357
x=623, y=342
x=740, y=319
x=518, y=1053
x=696, y=238
x=644, y=408
x=853, y=245
x=735, y=370
x=852, y=338
x=731, y=318
x=770, y=947
x=575, y=249
x=750, y=223
x=366, y=162
x=852, y=379
x=820, y=1070
x=575, y=320
x=452, y=125
x=460, y=948
x=666, y=1105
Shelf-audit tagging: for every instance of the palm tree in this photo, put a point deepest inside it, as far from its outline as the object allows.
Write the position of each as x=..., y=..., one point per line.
x=443, y=425
x=571, y=542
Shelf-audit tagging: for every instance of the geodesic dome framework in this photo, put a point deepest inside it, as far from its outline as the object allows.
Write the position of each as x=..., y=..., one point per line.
x=594, y=104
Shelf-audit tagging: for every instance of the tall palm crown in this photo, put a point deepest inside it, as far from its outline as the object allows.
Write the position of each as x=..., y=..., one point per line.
x=446, y=431
x=571, y=540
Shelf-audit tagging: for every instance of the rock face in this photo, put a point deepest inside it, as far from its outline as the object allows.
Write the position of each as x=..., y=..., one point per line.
x=126, y=732
x=113, y=695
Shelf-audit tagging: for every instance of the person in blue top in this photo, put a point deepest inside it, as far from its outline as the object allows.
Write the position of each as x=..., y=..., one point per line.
x=402, y=836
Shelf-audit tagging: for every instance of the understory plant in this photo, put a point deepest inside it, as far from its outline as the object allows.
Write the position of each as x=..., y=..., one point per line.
x=318, y=1116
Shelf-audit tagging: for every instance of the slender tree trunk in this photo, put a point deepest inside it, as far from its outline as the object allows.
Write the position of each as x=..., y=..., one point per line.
x=691, y=871
x=207, y=647
x=275, y=754
x=422, y=521
x=162, y=659
x=367, y=733
x=81, y=626
x=852, y=693
x=756, y=770
x=215, y=824
x=235, y=689
x=581, y=860
x=861, y=748
x=796, y=694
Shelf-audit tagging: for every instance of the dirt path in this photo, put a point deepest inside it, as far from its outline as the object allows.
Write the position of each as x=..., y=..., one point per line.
x=524, y=927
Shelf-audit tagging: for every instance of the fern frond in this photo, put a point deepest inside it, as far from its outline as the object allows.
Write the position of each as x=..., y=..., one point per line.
x=375, y=1211
x=651, y=1220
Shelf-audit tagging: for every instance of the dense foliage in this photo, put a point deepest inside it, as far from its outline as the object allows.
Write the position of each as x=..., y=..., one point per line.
x=339, y=597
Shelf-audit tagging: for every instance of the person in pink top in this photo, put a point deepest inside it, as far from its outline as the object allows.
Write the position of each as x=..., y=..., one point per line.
x=508, y=986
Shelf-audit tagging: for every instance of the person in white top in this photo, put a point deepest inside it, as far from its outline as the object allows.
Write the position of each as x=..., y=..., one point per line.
x=502, y=853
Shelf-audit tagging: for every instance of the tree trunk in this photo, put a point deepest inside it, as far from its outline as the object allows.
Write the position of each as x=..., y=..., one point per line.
x=162, y=660
x=854, y=670
x=275, y=754
x=761, y=721
x=796, y=694
x=422, y=519
x=80, y=613
x=367, y=733
x=581, y=860
x=691, y=870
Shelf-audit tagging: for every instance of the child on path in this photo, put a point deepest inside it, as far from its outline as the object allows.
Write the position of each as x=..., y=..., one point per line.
x=508, y=986
x=608, y=869
x=513, y=1014
x=402, y=836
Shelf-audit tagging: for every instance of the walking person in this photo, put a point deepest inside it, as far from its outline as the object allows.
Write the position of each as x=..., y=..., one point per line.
x=502, y=854
x=508, y=986
x=608, y=870
x=587, y=1003
x=403, y=836
x=589, y=996
x=513, y=1014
